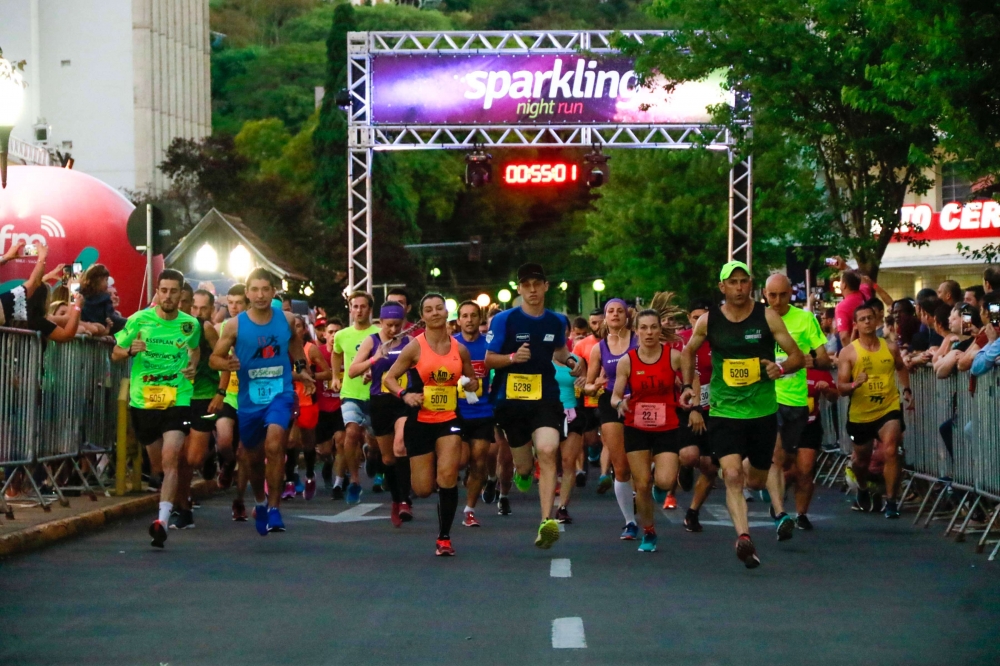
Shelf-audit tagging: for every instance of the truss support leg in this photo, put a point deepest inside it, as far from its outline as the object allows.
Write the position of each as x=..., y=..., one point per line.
x=359, y=219
x=741, y=210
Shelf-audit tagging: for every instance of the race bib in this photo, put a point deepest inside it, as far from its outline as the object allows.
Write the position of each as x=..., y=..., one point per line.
x=440, y=398
x=704, y=394
x=404, y=381
x=234, y=383
x=741, y=371
x=650, y=415
x=577, y=391
x=524, y=387
x=812, y=405
x=878, y=389
x=265, y=384
x=159, y=397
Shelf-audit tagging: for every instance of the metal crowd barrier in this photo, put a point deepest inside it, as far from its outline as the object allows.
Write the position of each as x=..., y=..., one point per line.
x=58, y=406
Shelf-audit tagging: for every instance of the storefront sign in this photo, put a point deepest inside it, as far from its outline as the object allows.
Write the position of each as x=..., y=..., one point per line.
x=975, y=219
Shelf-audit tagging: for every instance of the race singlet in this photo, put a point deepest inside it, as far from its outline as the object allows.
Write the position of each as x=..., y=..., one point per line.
x=159, y=397
x=234, y=383
x=265, y=384
x=649, y=415
x=403, y=384
x=741, y=371
x=440, y=398
x=524, y=387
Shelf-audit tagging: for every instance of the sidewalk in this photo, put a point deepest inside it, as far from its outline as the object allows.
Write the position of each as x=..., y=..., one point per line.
x=33, y=527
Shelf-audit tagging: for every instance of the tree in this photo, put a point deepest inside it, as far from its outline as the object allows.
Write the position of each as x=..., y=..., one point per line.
x=800, y=62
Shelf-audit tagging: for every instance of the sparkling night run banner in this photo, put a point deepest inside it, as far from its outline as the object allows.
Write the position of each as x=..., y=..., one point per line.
x=508, y=89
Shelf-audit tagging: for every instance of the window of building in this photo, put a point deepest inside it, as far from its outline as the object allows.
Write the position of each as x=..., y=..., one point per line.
x=955, y=184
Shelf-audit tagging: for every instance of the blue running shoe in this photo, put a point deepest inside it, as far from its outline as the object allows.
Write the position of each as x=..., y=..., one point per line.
x=630, y=533
x=354, y=493
x=379, y=483
x=765, y=496
x=659, y=495
x=785, y=527
x=300, y=487
x=648, y=544
x=260, y=519
x=274, y=522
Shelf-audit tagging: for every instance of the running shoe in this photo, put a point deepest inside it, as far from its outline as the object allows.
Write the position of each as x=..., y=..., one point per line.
x=274, y=522
x=337, y=493
x=764, y=495
x=354, y=493
x=891, y=509
x=659, y=495
x=548, y=534
x=784, y=527
x=503, y=506
x=184, y=520
x=523, y=483
x=630, y=533
x=685, y=477
x=260, y=520
x=470, y=520
x=289, y=491
x=562, y=516
x=747, y=552
x=863, y=502
x=225, y=480
x=394, y=516
x=154, y=483
x=378, y=483
x=444, y=548
x=648, y=544
x=691, y=522
x=670, y=503
x=581, y=479
x=300, y=487
x=369, y=461
x=310, y=489
x=158, y=533
x=604, y=483
x=747, y=495
x=239, y=511
x=489, y=494
x=594, y=454
x=405, y=511
x=802, y=522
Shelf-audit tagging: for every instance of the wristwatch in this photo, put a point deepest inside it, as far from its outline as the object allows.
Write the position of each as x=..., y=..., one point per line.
x=221, y=391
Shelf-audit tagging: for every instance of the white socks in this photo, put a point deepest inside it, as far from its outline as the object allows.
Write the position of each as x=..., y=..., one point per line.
x=468, y=509
x=338, y=481
x=623, y=493
x=165, y=508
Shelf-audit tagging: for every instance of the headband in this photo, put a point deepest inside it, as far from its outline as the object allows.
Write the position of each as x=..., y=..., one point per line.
x=618, y=301
x=392, y=310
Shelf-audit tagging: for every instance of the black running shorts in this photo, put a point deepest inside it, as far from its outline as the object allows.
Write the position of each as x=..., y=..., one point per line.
x=519, y=419
x=479, y=429
x=865, y=433
x=384, y=411
x=421, y=438
x=668, y=441
x=752, y=439
x=151, y=424
x=330, y=423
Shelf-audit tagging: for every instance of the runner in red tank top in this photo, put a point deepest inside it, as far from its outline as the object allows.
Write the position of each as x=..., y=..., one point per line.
x=434, y=436
x=651, y=423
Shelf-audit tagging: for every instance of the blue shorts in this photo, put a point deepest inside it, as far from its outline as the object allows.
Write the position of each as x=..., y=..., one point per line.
x=357, y=411
x=253, y=423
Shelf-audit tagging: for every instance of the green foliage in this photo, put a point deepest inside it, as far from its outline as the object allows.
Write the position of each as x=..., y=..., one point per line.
x=555, y=14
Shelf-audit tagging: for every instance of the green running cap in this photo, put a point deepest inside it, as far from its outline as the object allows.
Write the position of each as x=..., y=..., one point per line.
x=728, y=269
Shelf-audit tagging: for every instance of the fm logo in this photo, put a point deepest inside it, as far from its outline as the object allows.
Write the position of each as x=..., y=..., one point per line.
x=51, y=227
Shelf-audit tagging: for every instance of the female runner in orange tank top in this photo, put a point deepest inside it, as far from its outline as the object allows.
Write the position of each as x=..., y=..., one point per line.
x=434, y=435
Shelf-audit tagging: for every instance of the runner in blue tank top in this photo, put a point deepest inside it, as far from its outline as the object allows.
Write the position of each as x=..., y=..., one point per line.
x=520, y=346
x=265, y=350
x=477, y=418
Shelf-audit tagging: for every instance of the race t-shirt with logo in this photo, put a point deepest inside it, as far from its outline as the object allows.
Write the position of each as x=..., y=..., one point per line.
x=805, y=330
x=382, y=365
x=206, y=380
x=346, y=342
x=233, y=388
x=157, y=379
x=329, y=400
x=702, y=365
x=739, y=387
x=535, y=379
x=265, y=367
x=483, y=409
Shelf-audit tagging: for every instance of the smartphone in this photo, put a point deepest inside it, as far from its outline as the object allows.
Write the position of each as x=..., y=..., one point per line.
x=77, y=268
x=831, y=261
x=966, y=319
x=994, y=310
x=30, y=250
x=67, y=270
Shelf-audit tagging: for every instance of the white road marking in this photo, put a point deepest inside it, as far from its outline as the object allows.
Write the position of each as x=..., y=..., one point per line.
x=567, y=632
x=561, y=568
x=355, y=514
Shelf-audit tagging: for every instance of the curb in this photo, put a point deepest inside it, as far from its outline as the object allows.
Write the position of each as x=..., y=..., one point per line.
x=42, y=535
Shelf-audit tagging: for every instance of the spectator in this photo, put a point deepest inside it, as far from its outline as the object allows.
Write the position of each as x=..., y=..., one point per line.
x=850, y=287
x=25, y=305
x=991, y=279
x=879, y=308
x=986, y=358
x=963, y=322
x=116, y=301
x=59, y=313
x=581, y=328
x=828, y=324
x=904, y=323
x=974, y=296
x=926, y=337
x=950, y=292
x=97, y=305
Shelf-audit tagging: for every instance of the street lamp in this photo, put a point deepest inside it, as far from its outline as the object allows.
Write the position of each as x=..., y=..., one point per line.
x=11, y=101
x=450, y=304
x=504, y=296
x=483, y=300
x=598, y=288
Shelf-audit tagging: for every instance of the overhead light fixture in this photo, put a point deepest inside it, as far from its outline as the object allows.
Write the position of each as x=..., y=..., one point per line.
x=596, y=169
x=598, y=285
x=483, y=300
x=478, y=168
x=240, y=262
x=504, y=296
x=435, y=272
x=206, y=260
x=564, y=285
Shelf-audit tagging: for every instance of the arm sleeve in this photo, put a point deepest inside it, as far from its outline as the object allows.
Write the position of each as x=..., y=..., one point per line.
x=496, y=336
x=986, y=359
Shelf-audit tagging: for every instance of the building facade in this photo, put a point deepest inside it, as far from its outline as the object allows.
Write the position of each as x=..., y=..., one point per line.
x=111, y=82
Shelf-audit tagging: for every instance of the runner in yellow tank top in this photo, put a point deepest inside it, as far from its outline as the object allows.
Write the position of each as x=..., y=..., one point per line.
x=867, y=371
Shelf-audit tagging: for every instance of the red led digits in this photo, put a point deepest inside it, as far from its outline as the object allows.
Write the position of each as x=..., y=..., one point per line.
x=554, y=173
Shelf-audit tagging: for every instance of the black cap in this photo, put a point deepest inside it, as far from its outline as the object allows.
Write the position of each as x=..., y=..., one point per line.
x=530, y=272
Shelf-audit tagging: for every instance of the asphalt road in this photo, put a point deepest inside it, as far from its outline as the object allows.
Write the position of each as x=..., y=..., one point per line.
x=858, y=589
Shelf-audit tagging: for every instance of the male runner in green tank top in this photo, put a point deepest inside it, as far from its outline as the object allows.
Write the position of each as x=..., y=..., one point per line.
x=744, y=406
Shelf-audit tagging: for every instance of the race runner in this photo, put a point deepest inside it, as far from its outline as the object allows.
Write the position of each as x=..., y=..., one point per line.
x=520, y=346
x=571, y=446
x=330, y=429
x=303, y=434
x=478, y=423
x=163, y=344
x=867, y=370
x=434, y=434
x=265, y=350
x=799, y=464
x=618, y=340
x=744, y=424
x=650, y=413
x=354, y=394
x=793, y=394
x=376, y=355
x=224, y=404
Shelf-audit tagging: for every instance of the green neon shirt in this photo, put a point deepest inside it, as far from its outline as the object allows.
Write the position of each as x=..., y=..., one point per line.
x=233, y=389
x=156, y=381
x=793, y=390
x=346, y=342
